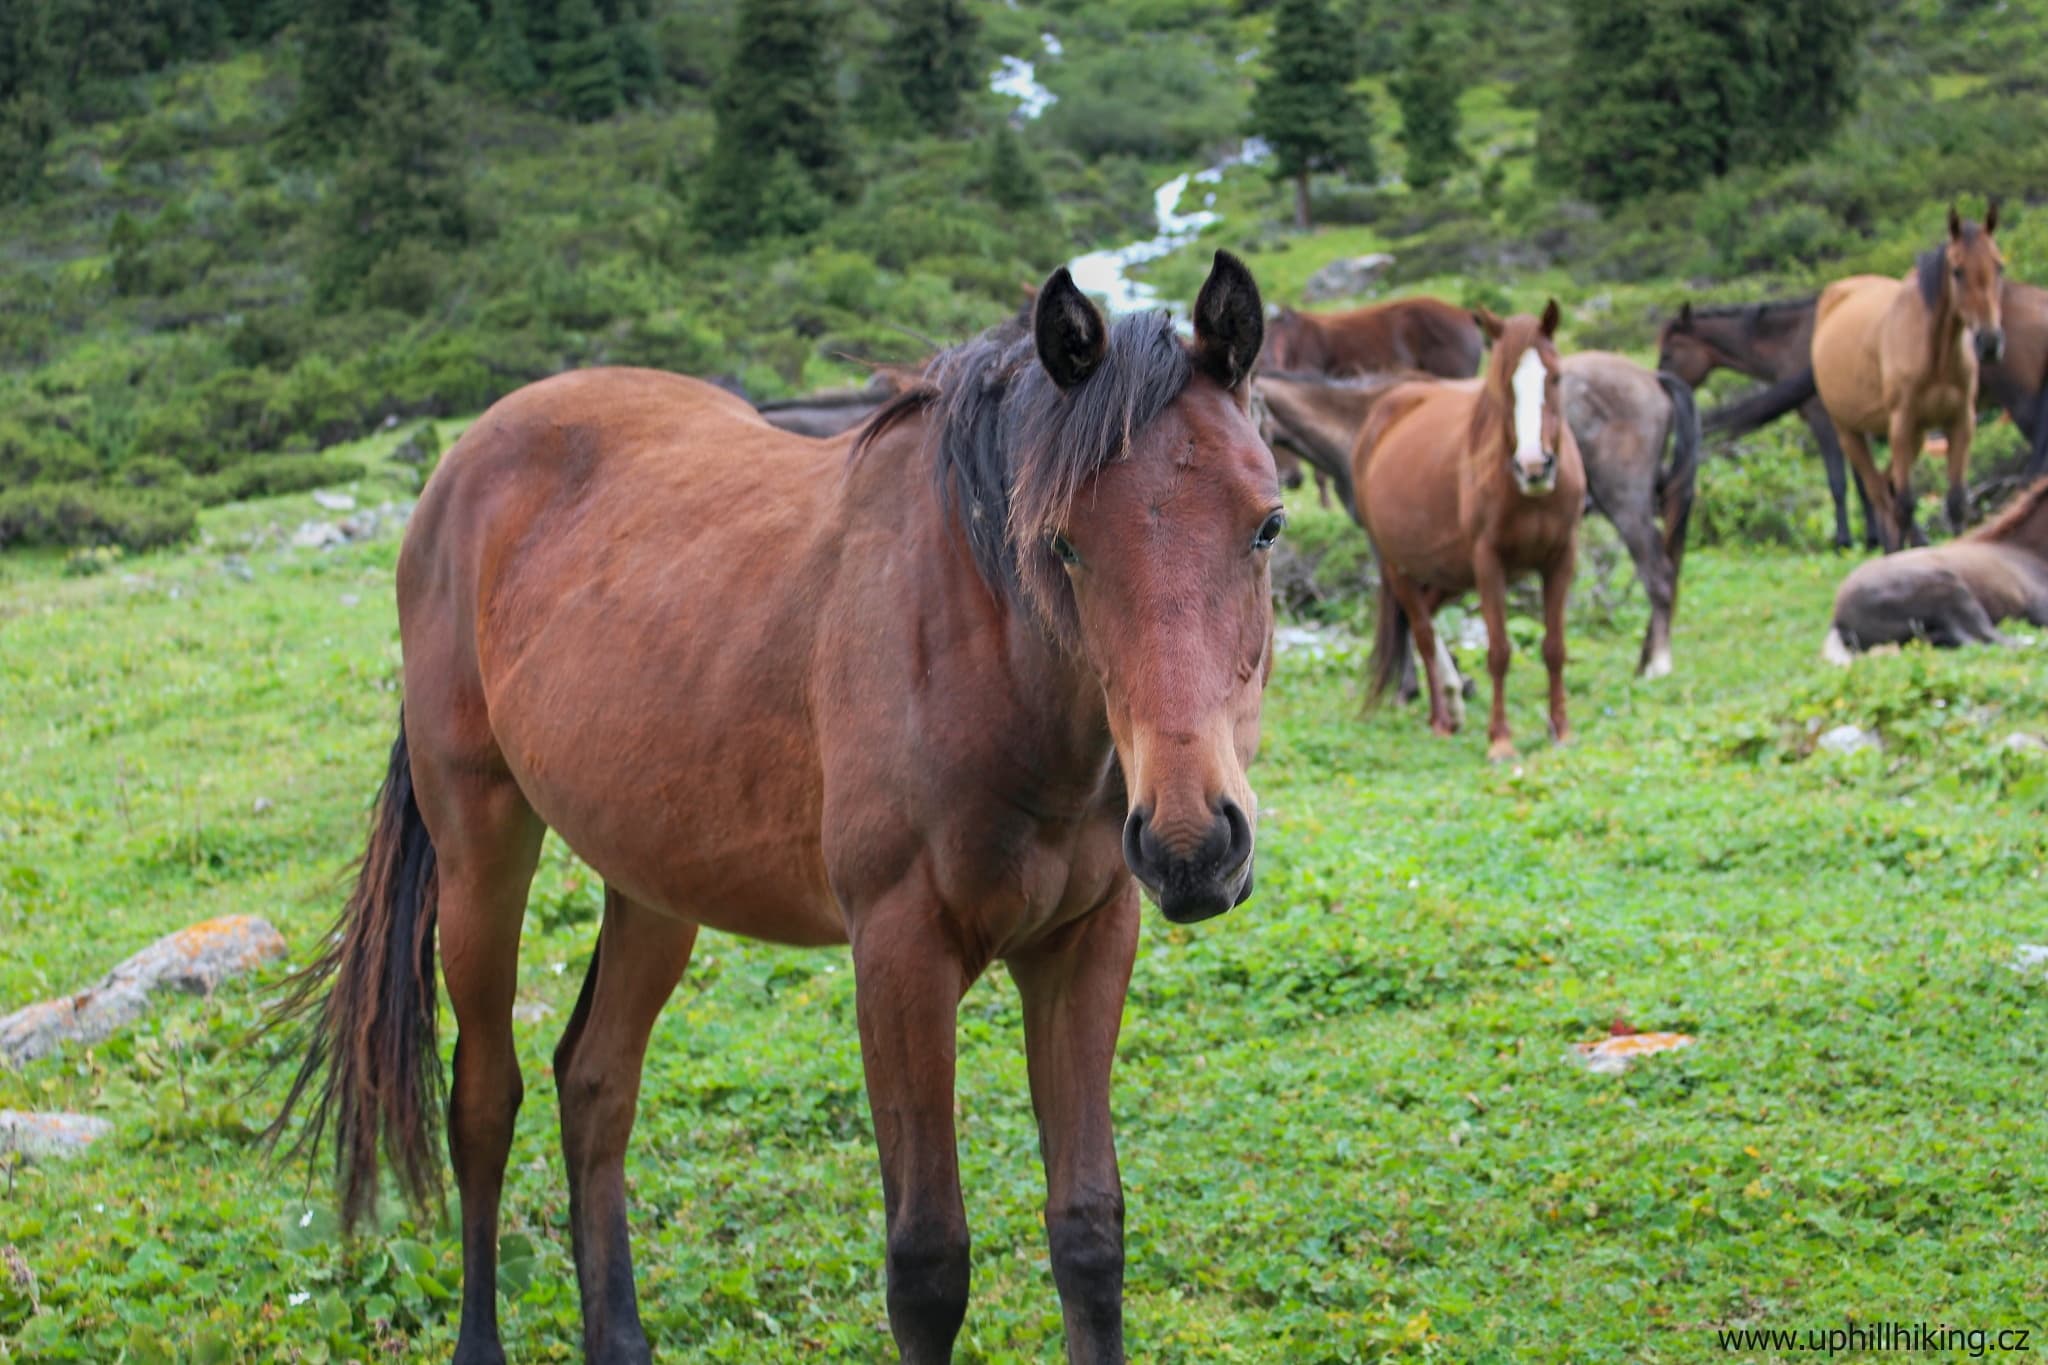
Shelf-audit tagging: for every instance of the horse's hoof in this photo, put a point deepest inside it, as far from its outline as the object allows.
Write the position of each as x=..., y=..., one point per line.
x=1560, y=736
x=1658, y=665
x=1442, y=728
x=1501, y=751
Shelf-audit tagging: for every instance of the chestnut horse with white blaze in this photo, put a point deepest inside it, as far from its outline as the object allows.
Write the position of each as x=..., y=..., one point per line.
x=946, y=690
x=1899, y=358
x=1460, y=484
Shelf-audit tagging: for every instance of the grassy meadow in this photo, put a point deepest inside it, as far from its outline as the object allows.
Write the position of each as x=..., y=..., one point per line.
x=1349, y=1128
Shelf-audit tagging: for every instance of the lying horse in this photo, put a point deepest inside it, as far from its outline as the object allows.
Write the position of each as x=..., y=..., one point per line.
x=1898, y=358
x=947, y=691
x=1623, y=416
x=1460, y=483
x=1954, y=594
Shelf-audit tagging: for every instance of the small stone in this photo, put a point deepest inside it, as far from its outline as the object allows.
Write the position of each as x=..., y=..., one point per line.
x=334, y=501
x=349, y=599
x=2020, y=742
x=2028, y=958
x=1849, y=739
x=262, y=804
x=235, y=566
x=49, y=1135
x=532, y=1011
x=317, y=535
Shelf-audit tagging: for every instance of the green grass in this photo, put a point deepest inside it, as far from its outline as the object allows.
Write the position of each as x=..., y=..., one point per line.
x=1348, y=1127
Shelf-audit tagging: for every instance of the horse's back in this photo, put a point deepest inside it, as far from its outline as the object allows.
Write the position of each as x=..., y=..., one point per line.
x=1418, y=333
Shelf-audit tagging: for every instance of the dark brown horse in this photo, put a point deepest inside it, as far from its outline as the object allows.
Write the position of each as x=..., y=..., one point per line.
x=947, y=691
x=1421, y=333
x=1953, y=594
x=1460, y=484
x=1769, y=341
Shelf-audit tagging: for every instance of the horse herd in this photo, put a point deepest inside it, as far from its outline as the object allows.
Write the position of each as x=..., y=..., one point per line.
x=948, y=687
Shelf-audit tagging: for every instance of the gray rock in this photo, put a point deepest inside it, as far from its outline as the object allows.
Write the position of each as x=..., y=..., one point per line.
x=1347, y=278
x=235, y=566
x=1849, y=739
x=194, y=960
x=334, y=501
x=532, y=1011
x=2021, y=742
x=49, y=1135
x=318, y=535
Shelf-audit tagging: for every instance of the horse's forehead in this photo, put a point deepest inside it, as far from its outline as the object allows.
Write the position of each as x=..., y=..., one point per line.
x=1203, y=429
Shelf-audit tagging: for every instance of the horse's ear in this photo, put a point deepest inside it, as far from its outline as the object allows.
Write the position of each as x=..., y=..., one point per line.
x=1551, y=317
x=1069, y=333
x=1489, y=322
x=1955, y=224
x=1991, y=218
x=1685, y=316
x=1230, y=322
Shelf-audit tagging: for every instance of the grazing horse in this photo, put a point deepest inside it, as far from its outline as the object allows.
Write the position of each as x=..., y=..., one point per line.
x=1461, y=483
x=1770, y=341
x=1623, y=417
x=1953, y=594
x=1423, y=334
x=947, y=690
x=1898, y=358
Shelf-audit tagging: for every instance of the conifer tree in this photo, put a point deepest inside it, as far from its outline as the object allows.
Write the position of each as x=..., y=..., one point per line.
x=1427, y=93
x=932, y=60
x=776, y=99
x=583, y=64
x=1304, y=106
x=1013, y=181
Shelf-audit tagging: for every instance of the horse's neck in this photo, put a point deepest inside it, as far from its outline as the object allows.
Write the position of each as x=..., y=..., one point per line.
x=1754, y=351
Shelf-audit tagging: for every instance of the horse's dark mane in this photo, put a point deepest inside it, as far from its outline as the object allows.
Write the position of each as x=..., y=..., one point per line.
x=2009, y=518
x=1010, y=449
x=1930, y=269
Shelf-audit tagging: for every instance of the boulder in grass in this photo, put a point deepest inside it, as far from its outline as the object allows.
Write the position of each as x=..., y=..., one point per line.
x=1346, y=278
x=194, y=960
x=44, y=1136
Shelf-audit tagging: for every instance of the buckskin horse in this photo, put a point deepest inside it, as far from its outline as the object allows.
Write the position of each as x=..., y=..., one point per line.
x=1898, y=358
x=1623, y=417
x=946, y=690
x=1953, y=594
x=1461, y=483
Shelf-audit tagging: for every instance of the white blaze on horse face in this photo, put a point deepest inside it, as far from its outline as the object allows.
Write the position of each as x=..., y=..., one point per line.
x=1528, y=384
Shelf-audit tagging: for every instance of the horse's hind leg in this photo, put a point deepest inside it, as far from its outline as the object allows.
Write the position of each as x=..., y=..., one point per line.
x=1959, y=438
x=1838, y=485
x=1073, y=993
x=1882, y=505
x=1653, y=568
x=639, y=958
x=1906, y=438
x=487, y=841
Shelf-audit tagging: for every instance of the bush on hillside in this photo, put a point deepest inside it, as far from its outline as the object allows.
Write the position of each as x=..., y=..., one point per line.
x=83, y=514
x=269, y=475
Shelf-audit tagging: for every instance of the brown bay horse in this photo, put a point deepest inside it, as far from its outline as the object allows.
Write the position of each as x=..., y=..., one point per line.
x=1953, y=594
x=1461, y=483
x=1624, y=417
x=947, y=690
x=1896, y=359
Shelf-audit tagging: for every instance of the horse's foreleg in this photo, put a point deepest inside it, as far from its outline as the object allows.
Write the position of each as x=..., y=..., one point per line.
x=639, y=958
x=487, y=843
x=1557, y=582
x=1492, y=582
x=1880, y=504
x=1960, y=437
x=1906, y=437
x=1073, y=993
x=908, y=984
x=1424, y=647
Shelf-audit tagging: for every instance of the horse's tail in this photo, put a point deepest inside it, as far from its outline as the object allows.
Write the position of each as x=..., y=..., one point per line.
x=1677, y=481
x=367, y=1011
x=1765, y=405
x=1390, y=641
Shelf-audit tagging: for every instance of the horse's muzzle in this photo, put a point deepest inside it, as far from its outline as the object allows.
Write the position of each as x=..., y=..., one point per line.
x=1535, y=478
x=1991, y=345
x=1215, y=877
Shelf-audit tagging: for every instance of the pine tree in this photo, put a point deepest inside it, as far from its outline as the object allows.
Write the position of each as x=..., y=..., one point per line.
x=1428, y=95
x=1304, y=107
x=344, y=60
x=400, y=200
x=932, y=60
x=776, y=97
x=506, y=61
x=583, y=64
x=1012, y=180
x=1662, y=94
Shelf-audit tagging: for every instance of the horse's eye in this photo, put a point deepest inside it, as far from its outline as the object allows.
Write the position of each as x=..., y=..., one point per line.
x=1958, y=272
x=1270, y=531
x=1064, y=548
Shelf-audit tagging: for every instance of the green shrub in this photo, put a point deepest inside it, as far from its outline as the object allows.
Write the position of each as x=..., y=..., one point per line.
x=270, y=475
x=42, y=453
x=155, y=471
x=135, y=519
